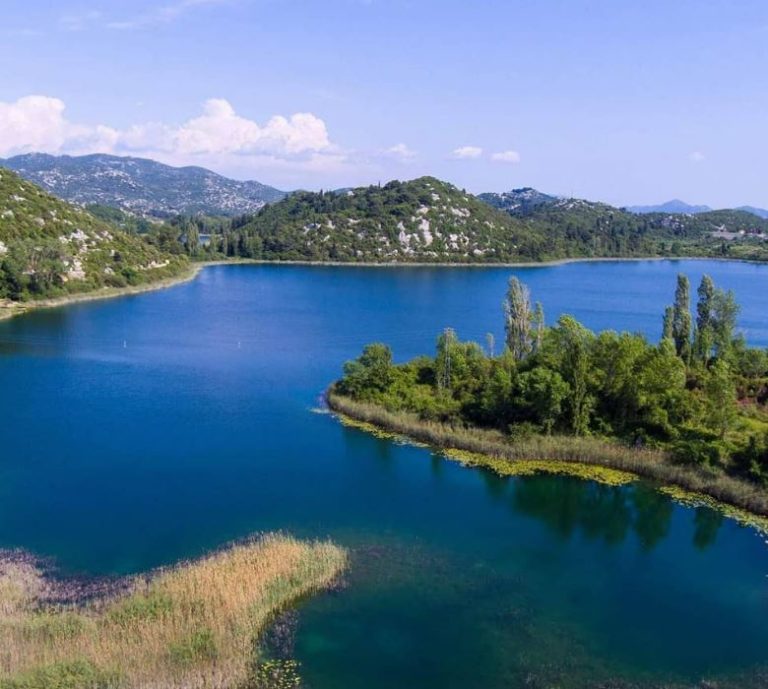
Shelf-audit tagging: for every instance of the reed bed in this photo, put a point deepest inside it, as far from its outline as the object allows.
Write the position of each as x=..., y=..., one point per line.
x=490, y=448
x=192, y=626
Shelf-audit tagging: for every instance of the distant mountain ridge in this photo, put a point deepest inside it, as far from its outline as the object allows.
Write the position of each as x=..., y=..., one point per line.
x=759, y=212
x=673, y=206
x=141, y=186
x=522, y=199
x=678, y=206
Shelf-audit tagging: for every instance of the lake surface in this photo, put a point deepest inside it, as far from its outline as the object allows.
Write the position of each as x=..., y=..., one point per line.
x=146, y=429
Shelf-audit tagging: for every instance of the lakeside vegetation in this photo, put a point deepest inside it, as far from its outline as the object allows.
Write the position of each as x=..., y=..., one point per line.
x=689, y=411
x=195, y=625
x=49, y=248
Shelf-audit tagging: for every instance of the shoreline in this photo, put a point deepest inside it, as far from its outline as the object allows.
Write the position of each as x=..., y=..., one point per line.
x=10, y=309
x=514, y=264
x=586, y=458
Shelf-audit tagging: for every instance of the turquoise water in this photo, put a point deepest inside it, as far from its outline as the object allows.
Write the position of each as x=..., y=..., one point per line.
x=142, y=430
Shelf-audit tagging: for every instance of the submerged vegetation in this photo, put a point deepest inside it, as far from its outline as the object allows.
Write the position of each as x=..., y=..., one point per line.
x=689, y=411
x=195, y=625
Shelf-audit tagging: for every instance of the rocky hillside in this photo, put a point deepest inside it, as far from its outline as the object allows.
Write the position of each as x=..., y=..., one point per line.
x=427, y=220
x=420, y=220
x=49, y=247
x=141, y=186
x=521, y=200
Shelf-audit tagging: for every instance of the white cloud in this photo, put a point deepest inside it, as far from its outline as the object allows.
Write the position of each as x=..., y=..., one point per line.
x=506, y=157
x=467, y=152
x=33, y=123
x=221, y=130
x=162, y=15
x=400, y=152
x=301, y=140
x=697, y=157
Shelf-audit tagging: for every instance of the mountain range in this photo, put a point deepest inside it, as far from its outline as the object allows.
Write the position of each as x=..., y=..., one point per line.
x=678, y=206
x=141, y=186
x=149, y=189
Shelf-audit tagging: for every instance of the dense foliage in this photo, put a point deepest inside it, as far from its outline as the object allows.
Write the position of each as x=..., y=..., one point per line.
x=427, y=220
x=700, y=392
x=49, y=247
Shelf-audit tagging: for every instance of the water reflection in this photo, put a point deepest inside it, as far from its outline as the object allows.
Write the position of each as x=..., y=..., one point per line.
x=603, y=513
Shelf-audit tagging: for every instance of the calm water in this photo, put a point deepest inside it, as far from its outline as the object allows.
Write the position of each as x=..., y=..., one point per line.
x=139, y=431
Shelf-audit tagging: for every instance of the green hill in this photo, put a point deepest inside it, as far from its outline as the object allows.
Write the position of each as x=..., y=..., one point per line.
x=580, y=228
x=427, y=220
x=49, y=247
x=420, y=220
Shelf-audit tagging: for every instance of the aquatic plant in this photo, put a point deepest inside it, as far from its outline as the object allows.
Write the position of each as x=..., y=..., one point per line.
x=505, y=455
x=190, y=626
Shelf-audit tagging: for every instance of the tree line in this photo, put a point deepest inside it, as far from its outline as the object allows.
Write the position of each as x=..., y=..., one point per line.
x=700, y=392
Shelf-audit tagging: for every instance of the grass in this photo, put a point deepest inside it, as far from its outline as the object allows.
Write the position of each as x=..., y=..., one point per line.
x=746, y=502
x=191, y=626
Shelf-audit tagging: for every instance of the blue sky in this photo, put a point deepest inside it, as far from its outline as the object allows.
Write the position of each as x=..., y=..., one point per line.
x=626, y=102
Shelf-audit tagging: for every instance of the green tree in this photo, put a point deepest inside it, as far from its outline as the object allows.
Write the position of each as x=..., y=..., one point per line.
x=544, y=392
x=725, y=311
x=681, y=318
x=517, y=312
x=720, y=393
x=704, y=317
x=372, y=371
x=668, y=327
x=569, y=345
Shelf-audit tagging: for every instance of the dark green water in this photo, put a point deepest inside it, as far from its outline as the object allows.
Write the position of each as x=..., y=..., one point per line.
x=142, y=430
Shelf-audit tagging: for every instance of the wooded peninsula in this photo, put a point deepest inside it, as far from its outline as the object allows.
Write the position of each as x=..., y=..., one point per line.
x=689, y=411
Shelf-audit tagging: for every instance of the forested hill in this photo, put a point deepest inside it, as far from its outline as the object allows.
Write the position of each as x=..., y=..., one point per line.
x=49, y=247
x=578, y=227
x=140, y=186
x=432, y=221
x=420, y=220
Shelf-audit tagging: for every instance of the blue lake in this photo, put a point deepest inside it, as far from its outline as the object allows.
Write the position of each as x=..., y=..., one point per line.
x=143, y=430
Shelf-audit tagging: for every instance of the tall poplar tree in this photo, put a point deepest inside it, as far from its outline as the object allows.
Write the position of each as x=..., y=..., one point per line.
x=681, y=319
x=517, y=312
x=704, y=327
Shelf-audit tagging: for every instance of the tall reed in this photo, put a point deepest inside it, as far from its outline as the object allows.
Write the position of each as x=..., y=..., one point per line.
x=192, y=626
